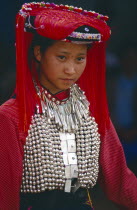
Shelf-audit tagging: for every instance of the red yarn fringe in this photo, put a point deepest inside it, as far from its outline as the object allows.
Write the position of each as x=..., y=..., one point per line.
x=93, y=82
x=25, y=90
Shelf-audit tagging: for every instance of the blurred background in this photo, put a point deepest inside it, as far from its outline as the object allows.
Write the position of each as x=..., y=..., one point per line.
x=121, y=70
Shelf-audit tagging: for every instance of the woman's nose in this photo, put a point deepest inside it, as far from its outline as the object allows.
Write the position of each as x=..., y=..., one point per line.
x=69, y=68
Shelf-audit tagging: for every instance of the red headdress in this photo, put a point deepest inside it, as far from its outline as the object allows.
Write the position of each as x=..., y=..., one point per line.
x=58, y=22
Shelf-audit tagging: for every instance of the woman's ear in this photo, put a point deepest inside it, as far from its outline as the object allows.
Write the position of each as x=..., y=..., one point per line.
x=37, y=53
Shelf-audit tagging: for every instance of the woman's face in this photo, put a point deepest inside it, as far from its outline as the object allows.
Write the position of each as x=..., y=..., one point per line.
x=61, y=65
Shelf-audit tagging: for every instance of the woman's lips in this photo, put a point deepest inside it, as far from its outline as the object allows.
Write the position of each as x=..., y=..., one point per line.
x=66, y=79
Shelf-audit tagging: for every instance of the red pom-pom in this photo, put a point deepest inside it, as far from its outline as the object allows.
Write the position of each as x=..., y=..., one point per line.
x=56, y=6
x=47, y=4
x=61, y=6
x=96, y=14
x=66, y=7
x=53, y=5
x=24, y=9
x=79, y=10
x=85, y=12
x=91, y=14
x=106, y=18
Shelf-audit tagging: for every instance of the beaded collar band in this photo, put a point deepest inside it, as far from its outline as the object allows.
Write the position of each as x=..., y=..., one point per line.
x=79, y=35
x=27, y=7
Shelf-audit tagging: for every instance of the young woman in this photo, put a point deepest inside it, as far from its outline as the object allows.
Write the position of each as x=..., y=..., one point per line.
x=57, y=140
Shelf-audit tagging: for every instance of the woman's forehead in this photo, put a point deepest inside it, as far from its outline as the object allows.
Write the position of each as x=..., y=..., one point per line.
x=68, y=47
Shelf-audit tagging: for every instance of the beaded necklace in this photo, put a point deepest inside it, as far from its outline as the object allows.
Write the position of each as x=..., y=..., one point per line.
x=43, y=166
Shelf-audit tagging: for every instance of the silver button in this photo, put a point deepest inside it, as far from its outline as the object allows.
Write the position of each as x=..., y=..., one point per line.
x=72, y=158
x=71, y=146
x=74, y=171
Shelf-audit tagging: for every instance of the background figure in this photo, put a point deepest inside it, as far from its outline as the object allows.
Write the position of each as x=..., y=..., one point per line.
x=123, y=102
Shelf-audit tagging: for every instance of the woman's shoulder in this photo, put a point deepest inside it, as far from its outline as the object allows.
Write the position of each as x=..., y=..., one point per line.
x=9, y=109
x=9, y=117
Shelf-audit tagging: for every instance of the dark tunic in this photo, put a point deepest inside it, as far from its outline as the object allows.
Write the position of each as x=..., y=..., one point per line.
x=55, y=200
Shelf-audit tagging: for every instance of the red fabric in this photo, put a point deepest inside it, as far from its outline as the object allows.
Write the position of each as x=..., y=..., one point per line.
x=69, y=20
x=119, y=183
x=11, y=154
x=117, y=180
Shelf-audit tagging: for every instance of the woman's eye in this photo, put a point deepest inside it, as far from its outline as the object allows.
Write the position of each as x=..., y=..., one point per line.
x=81, y=59
x=61, y=57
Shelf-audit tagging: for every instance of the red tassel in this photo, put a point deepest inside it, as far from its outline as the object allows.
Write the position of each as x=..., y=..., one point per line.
x=93, y=82
x=25, y=90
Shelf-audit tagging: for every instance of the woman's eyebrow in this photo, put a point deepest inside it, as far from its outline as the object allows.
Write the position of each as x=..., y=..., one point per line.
x=68, y=53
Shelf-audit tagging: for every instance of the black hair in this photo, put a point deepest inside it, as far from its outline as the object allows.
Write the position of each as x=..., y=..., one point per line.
x=41, y=41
